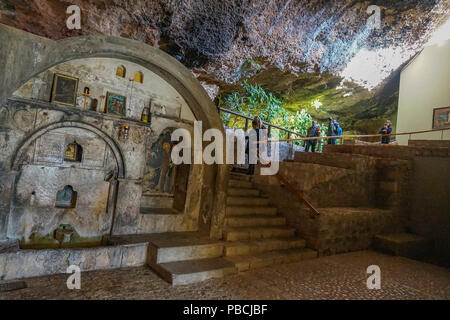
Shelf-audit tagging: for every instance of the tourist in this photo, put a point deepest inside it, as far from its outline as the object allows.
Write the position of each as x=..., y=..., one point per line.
x=338, y=129
x=313, y=131
x=331, y=131
x=387, y=129
x=257, y=125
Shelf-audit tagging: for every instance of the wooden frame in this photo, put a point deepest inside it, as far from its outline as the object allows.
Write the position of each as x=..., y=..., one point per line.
x=115, y=98
x=441, y=118
x=64, y=90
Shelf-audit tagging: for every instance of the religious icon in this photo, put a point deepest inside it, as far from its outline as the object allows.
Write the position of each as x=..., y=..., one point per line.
x=441, y=118
x=146, y=117
x=115, y=104
x=139, y=77
x=160, y=171
x=121, y=71
x=73, y=152
x=86, y=96
x=64, y=90
x=123, y=132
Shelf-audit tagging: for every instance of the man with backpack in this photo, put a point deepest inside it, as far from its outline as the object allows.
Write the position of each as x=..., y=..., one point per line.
x=337, y=128
x=313, y=131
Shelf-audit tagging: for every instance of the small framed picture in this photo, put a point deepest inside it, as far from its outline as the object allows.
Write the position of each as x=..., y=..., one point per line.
x=441, y=118
x=64, y=90
x=116, y=104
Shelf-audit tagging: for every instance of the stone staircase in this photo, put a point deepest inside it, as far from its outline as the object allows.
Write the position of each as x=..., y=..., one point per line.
x=254, y=237
x=254, y=233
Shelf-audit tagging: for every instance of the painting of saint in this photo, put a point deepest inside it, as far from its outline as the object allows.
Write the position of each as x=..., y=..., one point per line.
x=116, y=104
x=160, y=170
x=64, y=90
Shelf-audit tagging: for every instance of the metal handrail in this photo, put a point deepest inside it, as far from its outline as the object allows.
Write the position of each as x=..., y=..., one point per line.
x=247, y=118
x=298, y=194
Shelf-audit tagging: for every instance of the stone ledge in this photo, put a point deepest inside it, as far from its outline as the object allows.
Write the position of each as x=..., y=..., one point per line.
x=402, y=244
x=34, y=263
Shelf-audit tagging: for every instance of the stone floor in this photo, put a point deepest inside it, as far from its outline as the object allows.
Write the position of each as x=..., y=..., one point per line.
x=334, y=277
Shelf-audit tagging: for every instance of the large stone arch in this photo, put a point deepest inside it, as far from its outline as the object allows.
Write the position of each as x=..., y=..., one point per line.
x=25, y=55
x=17, y=157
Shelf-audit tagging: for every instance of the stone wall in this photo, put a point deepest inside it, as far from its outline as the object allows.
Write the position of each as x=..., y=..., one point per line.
x=430, y=204
x=415, y=181
x=339, y=229
x=389, y=151
x=34, y=133
x=357, y=196
x=35, y=263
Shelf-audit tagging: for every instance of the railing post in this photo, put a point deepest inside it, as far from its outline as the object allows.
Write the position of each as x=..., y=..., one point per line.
x=268, y=131
x=291, y=146
x=246, y=124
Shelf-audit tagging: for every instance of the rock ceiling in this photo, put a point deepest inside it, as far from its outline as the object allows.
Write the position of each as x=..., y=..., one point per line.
x=321, y=52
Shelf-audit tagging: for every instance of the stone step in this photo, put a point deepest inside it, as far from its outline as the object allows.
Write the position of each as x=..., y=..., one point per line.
x=243, y=192
x=255, y=221
x=247, y=201
x=265, y=259
x=164, y=254
x=254, y=233
x=237, y=248
x=402, y=244
x=240, y=184
x=191, y=271
x=240, y=176
x=242, y=210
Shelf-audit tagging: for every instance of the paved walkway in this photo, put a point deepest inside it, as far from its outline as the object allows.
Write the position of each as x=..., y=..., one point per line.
x=335, y=277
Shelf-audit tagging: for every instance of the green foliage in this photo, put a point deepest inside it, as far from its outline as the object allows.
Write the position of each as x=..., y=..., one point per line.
x=255, y=101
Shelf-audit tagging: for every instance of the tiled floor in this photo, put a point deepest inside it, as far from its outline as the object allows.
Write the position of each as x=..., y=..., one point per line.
x=335, y=277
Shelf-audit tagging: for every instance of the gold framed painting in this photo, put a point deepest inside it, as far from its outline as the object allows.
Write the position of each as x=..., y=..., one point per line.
x=441, y=118
x=64, y=90
x=116, y=104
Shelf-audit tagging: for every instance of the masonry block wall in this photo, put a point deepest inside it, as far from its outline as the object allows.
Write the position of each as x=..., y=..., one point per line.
x=35, y=132
x=358, y=196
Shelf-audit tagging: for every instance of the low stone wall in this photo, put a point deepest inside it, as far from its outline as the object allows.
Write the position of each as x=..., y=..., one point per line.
x=389, y=151
x=339, y=230
x=357, y=196
x=323, y=186
x=34, y=263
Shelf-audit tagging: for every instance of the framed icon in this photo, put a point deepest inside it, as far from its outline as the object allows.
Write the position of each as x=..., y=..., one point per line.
x=441, y=118
x=64, y=90
x=115, y=104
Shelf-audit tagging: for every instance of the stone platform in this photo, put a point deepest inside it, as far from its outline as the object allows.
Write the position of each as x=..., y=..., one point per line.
x=403, y=244
x=32, y=263
x=341, y=276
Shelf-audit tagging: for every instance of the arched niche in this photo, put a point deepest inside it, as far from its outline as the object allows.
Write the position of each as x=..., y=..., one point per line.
x=17, y=159
x=47, y=193
x=165, y=185
x=39, y=54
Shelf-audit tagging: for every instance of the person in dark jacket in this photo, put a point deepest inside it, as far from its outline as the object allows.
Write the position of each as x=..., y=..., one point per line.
x=387, y=129
x=331, y=131
x=257, y=125
x=338, y=129
x=313, y=131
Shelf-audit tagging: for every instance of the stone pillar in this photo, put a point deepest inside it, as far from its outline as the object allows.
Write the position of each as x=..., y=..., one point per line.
x=6, y=191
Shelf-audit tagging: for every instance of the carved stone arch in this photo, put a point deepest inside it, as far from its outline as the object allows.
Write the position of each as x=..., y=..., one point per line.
x=40, y=54
x=18, y=155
